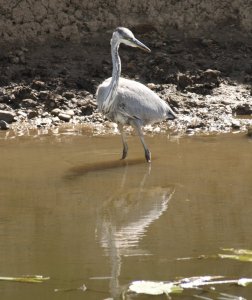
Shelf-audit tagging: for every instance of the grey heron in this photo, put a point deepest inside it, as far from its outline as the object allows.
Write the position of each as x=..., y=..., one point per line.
x=127, y=102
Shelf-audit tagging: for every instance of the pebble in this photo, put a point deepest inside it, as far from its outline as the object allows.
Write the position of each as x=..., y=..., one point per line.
x=68, y=95
x=151, y=86
x=207, y=42
x=111, y=125
x=29, y=103
x=44, y=94
x=212, y=73
x=43, y=122
x=70, y=112
x=14, y=59
x=157, y=130
x=22, y=113
x=249, y=133
x=236, y=124
x=56, y=111
x=183, y=80
x=190, y=131
x=64, y=117
x=38, y=84
x=55, y=119
x=32, y=114
x=7, y=116
x=4, y=125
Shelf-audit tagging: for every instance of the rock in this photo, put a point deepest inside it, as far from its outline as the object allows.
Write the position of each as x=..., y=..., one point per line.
x=74, y=100
x=45, y=114
x=22, y=113
x=151, y=86
x=190, y=131
x=21, y=92
x=195, y=122
x=244, y=109
x=7, y=116
x=44, y=95
x=4, y=125
x=157, y=130
x=64, y=117
x=32, y=114
x=236, y=124
x=28, y=103
x=22, y=59
x=55, y=120
x=14, y=59
x=38, y=84
x=183, y=81
x=211, y=75
x=87, y=106
x=249, y=133
x=70, y=112
x=55, y=111
x=43, y=122
x=207, y=42
x=68, y=95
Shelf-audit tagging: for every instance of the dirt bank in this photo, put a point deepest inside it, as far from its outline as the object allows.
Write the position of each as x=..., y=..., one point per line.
x=24, y=21
x=207, y=82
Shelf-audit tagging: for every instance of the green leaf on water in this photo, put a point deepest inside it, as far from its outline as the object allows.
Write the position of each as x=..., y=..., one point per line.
x=154, y=288
x=244, y=281
x=238, y=251
x=202, y=297
x=82, y=288
x=202, y=256
x=26, y=278
x=225, y=296
x=237, y=254
x=198, y=281
x=236, y=257
x=170, y=287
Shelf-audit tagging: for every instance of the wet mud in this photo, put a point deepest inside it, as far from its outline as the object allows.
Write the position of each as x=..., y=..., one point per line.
x=207, y=82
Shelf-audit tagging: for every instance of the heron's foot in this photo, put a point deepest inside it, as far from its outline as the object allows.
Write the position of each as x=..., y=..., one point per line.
x=124, y=154
x=148, y=155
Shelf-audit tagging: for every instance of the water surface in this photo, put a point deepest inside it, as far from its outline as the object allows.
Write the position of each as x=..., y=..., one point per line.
x=71, y=210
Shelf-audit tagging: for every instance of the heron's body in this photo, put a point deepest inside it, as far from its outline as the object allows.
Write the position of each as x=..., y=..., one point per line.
x=134, y=101
x=125, y=101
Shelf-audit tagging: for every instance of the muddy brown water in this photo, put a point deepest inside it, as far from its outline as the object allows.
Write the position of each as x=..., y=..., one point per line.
x=72, y=211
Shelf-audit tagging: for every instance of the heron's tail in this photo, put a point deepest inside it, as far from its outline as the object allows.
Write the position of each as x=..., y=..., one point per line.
x=171, y=115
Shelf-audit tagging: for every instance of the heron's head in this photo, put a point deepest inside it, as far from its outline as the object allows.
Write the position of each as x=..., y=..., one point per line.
x=125, y=36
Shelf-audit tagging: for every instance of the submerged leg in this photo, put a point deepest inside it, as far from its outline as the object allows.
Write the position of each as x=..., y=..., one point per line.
x=137, y=127
x=125, y=145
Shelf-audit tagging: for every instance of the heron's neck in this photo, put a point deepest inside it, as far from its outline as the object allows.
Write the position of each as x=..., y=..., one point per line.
x=116, y=63
x=109, y=101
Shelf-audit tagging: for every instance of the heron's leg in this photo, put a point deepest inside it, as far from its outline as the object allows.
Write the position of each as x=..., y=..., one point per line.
x=125, y=145
x=137, y=127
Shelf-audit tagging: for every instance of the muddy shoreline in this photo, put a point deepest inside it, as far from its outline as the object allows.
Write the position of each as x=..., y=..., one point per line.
x=207, y=82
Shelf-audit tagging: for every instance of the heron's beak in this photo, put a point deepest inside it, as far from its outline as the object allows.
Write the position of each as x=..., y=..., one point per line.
x=137, y=43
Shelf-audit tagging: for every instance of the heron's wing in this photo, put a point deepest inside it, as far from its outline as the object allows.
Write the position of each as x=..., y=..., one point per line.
x=135, y=100
x=102, y=92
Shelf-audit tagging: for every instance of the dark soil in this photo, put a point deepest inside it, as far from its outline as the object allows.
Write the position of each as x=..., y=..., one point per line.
x=208, y=83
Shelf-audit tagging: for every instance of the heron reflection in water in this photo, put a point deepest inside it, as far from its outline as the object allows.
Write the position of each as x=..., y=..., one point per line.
x=127, y=102
x=124, y=219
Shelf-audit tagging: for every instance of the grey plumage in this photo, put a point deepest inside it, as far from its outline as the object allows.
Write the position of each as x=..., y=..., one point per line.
x=125, y=101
